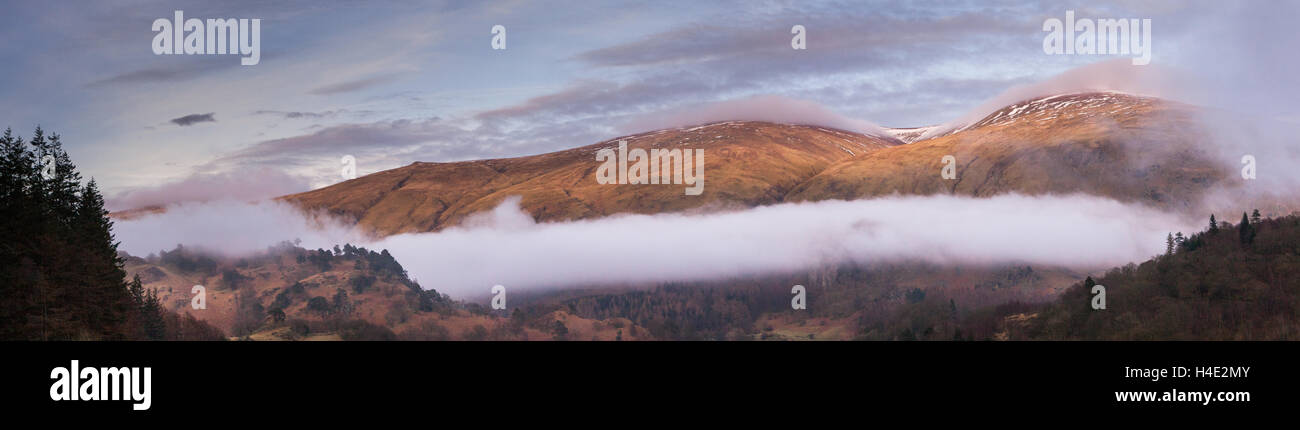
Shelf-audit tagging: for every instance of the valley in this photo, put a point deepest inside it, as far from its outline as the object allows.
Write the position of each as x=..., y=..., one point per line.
x=1124, y=147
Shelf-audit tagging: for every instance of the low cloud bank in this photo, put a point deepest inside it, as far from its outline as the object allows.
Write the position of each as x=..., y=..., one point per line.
x=230, y=228
x=506, y=247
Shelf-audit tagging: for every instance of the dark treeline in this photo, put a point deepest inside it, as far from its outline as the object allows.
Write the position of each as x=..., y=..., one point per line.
x=1229, y=282
x=687, y=312
x=62, y=278
x=882, y=300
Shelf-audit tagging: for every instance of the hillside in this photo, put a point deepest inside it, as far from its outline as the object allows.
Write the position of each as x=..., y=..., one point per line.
x=1235, y=282
x=843, y=302
x=349, y=293
x=358, y=294
x=1115, y=145
x=746, y=164
x=1134, y=149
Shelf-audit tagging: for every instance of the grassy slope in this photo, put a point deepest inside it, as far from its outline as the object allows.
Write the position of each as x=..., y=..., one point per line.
x=746, y=164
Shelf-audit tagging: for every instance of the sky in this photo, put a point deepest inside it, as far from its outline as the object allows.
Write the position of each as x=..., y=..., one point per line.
x=391, y=83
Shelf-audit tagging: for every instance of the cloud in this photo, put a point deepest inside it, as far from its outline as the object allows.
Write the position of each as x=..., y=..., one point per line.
x=229, y=227
x=597, y=100
x=174, y=72
x=239, y=185
x=383, y=137
x=353, y=85
x=832, y=31
x=193, y=118
x=504, y=246
x=758, y=108
x=1111, y=75
x=858, y=61
x=307, y=115
x=384, y=145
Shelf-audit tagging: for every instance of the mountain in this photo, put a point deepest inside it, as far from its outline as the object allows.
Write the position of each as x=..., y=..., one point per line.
x=1126, y=147
x=1116, y=145
x=746, y=164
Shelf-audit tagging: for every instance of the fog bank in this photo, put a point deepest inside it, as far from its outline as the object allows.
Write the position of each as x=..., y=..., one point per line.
x=506, y=247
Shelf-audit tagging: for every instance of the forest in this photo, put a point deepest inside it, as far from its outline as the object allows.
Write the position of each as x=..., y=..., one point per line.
x=63, y=277
x=1228, y=282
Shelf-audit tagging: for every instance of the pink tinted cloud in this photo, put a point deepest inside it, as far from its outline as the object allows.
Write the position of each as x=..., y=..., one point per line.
x=769, y=108
x=242, y=185
x=1111, y=75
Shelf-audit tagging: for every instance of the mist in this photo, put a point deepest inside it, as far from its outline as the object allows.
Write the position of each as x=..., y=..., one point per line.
x=1245, y=72
x=230, y=228
x=1118, y=75
x=244, y=184
x=505, y=247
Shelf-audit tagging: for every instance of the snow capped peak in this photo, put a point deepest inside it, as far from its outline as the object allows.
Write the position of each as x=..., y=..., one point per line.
x=909, y=135
x=1043, y=108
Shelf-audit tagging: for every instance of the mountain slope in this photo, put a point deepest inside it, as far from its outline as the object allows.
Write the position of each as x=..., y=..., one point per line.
x=1125, y=147
x=290, y=293
x=1222, y=284
x=1116, y=145
x=746, y=164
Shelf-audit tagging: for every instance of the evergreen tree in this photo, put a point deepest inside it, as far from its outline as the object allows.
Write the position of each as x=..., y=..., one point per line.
x=136, y=290
x=1169, y=244
x=62, y=277
x=1246, y=231
x=101, y=267
x=1255, y=218
x=1214, y=225
x=155, y=326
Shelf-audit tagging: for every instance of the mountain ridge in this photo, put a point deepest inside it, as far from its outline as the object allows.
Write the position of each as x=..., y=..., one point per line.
x=1132, y=148
x=1123, y=146
x=754, y=163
